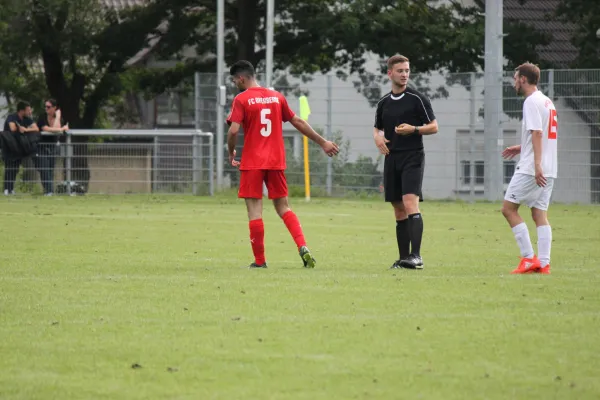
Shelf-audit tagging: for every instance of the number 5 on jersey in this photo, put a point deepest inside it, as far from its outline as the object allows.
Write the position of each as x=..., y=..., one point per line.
x=553, y=125
x=266, y=121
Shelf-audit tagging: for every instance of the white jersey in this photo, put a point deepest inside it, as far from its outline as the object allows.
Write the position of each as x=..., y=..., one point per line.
x=539, y=114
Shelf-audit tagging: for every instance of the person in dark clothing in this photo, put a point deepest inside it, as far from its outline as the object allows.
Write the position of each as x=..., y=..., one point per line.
x=403, y=116
x=51, y=121
x=17, y=123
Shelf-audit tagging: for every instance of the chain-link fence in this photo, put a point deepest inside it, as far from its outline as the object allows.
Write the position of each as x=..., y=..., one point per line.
x=343, y=110
x=120, y=162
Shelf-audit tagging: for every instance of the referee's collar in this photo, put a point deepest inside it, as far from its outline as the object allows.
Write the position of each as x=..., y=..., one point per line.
x=397, y=97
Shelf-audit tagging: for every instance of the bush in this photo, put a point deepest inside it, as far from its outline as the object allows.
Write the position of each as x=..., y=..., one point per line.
x=360, y=176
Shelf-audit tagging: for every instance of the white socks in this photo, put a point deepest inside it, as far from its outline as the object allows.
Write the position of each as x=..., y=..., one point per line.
x=544, y=234
x=544, y=244
x=522, y=237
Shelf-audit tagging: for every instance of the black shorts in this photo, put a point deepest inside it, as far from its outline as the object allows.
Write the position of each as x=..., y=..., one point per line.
x=403, y=174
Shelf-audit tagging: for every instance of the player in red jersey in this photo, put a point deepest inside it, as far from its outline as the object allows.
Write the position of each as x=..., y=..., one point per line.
x=261, y=112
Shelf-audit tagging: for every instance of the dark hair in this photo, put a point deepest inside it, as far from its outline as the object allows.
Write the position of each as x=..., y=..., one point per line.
x=52, y=101
x=242, y=67
x=22, y=105
x=397, y=59
x=529, y=71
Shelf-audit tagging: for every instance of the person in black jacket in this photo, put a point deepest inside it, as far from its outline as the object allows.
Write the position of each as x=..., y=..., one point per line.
x=17, y=123
x=51, y=121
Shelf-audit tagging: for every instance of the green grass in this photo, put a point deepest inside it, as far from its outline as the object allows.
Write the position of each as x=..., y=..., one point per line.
x=91, y=286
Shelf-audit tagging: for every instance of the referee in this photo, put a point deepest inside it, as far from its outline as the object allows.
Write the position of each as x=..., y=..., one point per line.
x=404, y=115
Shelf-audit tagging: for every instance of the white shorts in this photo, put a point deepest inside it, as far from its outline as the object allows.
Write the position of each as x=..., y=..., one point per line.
x=523, y=189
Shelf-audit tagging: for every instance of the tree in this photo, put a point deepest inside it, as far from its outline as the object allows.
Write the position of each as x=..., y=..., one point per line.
x=585, y=16
x=79, y=52
x=329, y=35
x=82, y=53
x=442, y=37
x=85, y=56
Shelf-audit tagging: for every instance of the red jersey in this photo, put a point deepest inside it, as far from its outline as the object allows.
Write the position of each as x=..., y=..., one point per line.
x=261, y=112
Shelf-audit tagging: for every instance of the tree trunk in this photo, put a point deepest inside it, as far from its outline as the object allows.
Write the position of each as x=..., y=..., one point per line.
x=247, y=25
x=68, y=98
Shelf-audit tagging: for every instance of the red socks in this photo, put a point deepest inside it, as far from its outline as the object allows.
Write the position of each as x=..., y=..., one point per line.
x=293, y=225
x=257, y=240
x=257, y=235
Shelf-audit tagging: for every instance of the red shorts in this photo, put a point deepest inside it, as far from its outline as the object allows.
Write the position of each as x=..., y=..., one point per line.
x=251, y=184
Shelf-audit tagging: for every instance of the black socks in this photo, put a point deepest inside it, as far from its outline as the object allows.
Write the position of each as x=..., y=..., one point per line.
x=415, y=229
x=403, y=238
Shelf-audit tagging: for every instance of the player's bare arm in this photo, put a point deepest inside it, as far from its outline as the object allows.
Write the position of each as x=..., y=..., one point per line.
x=330, y=148
x=510, y=152
x=536, y=141
x=12, y=126
x=430, y=128
x=232, y=133
x=381, y=141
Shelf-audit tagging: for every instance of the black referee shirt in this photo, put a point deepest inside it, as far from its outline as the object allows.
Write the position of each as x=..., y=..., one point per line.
x=409, y=107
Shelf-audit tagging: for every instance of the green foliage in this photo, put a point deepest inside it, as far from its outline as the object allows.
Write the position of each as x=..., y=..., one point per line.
x=79, y=52
x=585, y=15
x=87, y=62
x=447, y=37
x=81, y=44
x=348, y=176
x=580, y=90
x=76, y=51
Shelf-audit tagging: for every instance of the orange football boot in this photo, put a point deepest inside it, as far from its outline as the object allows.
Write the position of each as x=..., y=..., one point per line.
x=527, y=265
x=544, y=270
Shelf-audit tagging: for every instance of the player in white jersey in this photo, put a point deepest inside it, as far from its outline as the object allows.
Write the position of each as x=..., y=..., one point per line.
x=535, y=173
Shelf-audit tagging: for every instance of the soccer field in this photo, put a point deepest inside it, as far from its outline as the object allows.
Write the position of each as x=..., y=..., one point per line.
x=145, y=298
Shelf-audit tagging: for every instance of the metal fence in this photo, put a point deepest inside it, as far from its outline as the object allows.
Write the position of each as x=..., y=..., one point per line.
x=121, y=162
x=181, y=161
x=343, y=109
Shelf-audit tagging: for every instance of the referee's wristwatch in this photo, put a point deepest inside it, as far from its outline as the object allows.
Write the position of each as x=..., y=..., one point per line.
x=416, y=131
